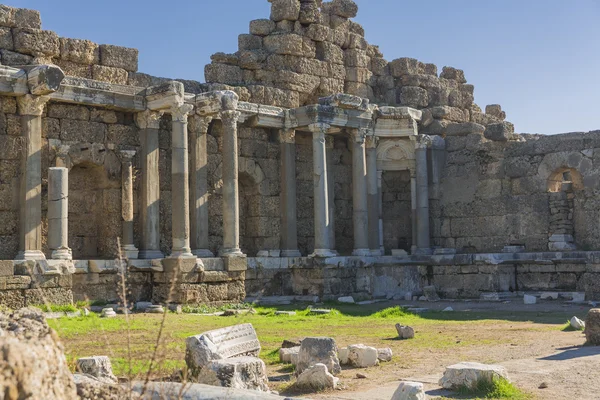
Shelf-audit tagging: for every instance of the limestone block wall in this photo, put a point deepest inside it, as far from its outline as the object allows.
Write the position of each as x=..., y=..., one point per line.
x=11, y=145
x=397, y=213
x=498, y=193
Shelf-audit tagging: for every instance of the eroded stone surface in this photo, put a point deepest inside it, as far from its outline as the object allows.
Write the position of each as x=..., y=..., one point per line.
x=318, y=350
x=316, y=377
x=236, y=372
x=467, y=374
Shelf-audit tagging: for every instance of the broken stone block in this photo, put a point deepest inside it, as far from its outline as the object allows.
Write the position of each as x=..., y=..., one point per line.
x=413, y=96
x=528, y=299
x=108, y=313
x=344, y=8
x=237, y=373
x=155, y=309
x=464, y=129
x=343, y=356
x=430, y=293
x=285, y=354
x=409, y=391
x=142, y=305
x=362, y=356
x=592, y=327
x=468, y=374
x=500, y=132
x=119, y=57
x=317, y=377
x=285, y=10
x=453, y=74
x=262, y=27
x=405, y=332
x=577, y=324
x=384, y=354
x=97, y=366
x=495, y=110
x=79, y=51
x=117, y=76
x=315, y=350
x=405, y=66
x=36, y=42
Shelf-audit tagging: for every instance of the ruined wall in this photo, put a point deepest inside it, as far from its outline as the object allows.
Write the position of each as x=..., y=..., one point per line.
x=397, y=212
x=498, y=193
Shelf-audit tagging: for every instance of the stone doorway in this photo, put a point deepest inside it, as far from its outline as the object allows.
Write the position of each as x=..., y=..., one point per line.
x=397, y=211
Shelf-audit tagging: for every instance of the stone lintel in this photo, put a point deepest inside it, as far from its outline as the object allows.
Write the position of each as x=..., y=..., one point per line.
x=93, y=93
x=13, y=81
x=165, y=96
x=257, y=115
x=347, y=101
x=334, y=116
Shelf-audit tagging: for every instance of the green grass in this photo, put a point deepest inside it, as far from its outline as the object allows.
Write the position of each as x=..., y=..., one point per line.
x=498, y=388
x=206, y=309
x=56, y=308
x=567, y=327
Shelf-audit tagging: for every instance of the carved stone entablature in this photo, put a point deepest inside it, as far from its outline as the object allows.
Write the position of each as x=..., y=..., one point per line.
x=198, y=124
x=180, y=113
x=287, y=136
x=215, y=102
x=148, y=119
x=397, y=121
x=395, y=155
x=32, y=105
x=165, y=96
x=347, y=101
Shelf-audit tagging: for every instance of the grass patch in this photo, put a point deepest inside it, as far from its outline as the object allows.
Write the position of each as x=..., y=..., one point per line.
x=498, y=388
x=56, y=308
x=567, y=327
x=393, y=312
x=206, y=309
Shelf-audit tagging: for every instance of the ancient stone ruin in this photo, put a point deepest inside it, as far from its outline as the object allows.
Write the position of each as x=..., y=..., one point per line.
x=307, y=165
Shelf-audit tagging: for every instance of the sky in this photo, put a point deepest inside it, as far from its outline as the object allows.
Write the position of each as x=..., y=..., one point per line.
x=539, y=59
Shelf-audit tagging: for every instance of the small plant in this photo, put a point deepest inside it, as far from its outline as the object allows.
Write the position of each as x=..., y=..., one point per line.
x=497, y=388
x=393, y=312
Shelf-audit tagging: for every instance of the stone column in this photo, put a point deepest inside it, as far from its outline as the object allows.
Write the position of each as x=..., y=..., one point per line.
x=373, y=195
x=287, y=205
x=58, y=213
x=180, y=190
x=413, y=207
x=231, y=200
x=199, y=186
x=380, y=210
x=321, y=192
x=30, y=237
x=360, y=216
x=329, y=142
x=422, y=182
x=149, y=124
x=128, y=248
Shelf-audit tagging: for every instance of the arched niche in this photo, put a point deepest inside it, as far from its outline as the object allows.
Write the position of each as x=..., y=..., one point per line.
x=395, y=155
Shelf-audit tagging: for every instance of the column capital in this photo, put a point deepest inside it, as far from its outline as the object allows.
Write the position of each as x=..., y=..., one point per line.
x=319, y=128
x=179, y=112
x=287, y=136
x=31, y=105
x=230, y=118
x=358, y=135
x=423, y=142
x=127, y=155
x=199, y=124
x=372, y=142
x=148, y=119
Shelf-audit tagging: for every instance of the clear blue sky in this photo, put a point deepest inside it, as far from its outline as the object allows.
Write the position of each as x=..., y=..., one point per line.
x=540, y=59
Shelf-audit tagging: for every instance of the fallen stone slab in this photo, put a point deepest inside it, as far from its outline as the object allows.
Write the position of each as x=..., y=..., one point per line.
x=528, y=299
x=317, y=377
x=286, y=344
x=89, y=387
x=197, y=391
x=405, y=332
x=409, y=391
x=236, y=372
x=286, y=354
x=142, y=305
x=98, y=367
x=361, y=356
x=155, y=309
x=287, y=313
x=592, y=327
x=318, y=350
x=384, y=354
x=468, y=374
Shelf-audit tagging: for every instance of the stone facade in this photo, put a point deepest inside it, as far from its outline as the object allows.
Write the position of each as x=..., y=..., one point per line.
x=296, y=188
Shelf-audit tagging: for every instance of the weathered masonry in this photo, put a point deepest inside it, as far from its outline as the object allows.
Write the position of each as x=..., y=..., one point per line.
x=308, y=165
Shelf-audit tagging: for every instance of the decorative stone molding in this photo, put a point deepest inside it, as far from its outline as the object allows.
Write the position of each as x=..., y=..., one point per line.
x=371, y=142
x=319, y=128
x=423, y=142
x=127, y=155
x=198, y=124
x=179, y=113
x=148, y=119
x=287, y=136
x=230, y=118
x=358, y=135
x=31, y=105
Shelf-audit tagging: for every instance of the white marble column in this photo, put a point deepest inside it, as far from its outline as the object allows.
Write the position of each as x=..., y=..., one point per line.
x=287, y=205
x=30, y=236
x=321, y=192
x=413, y=208
x=231, y=199
x=373, y=195
x=360, y=213
x=422, y=181
x=149, y=124
x=127, y=247
x=380, y=210
x=180, y=191
x=58, y=213
x=329, y=144
x=199, y=186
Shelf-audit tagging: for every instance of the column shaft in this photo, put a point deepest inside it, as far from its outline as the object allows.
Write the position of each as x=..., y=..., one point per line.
x=329, y=144
x=373, y=195
x=58, y=213
x=413, y=208
x=380, y=209
x=360, y=216
x=127, y=247
x=199, y=186
x=321, y=192
x=180, y=192
x=423, y=239
x=287, y=206
x=31, y=108
x=231, y=201
x=148, y=122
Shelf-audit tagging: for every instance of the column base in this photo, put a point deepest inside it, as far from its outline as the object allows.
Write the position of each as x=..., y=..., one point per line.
x=290, y=253
x=30, y=255
x=181, y=253
x=231, y=253
x=323, y=253
x=130, y=252
x=361, y=252
x=424, y=252
x=62, y=254
x=203, y=253
x=150, y=254
x=377, y=253
x=413, y=249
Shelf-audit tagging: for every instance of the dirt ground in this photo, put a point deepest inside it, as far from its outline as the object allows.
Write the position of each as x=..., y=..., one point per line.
x=531, y=354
